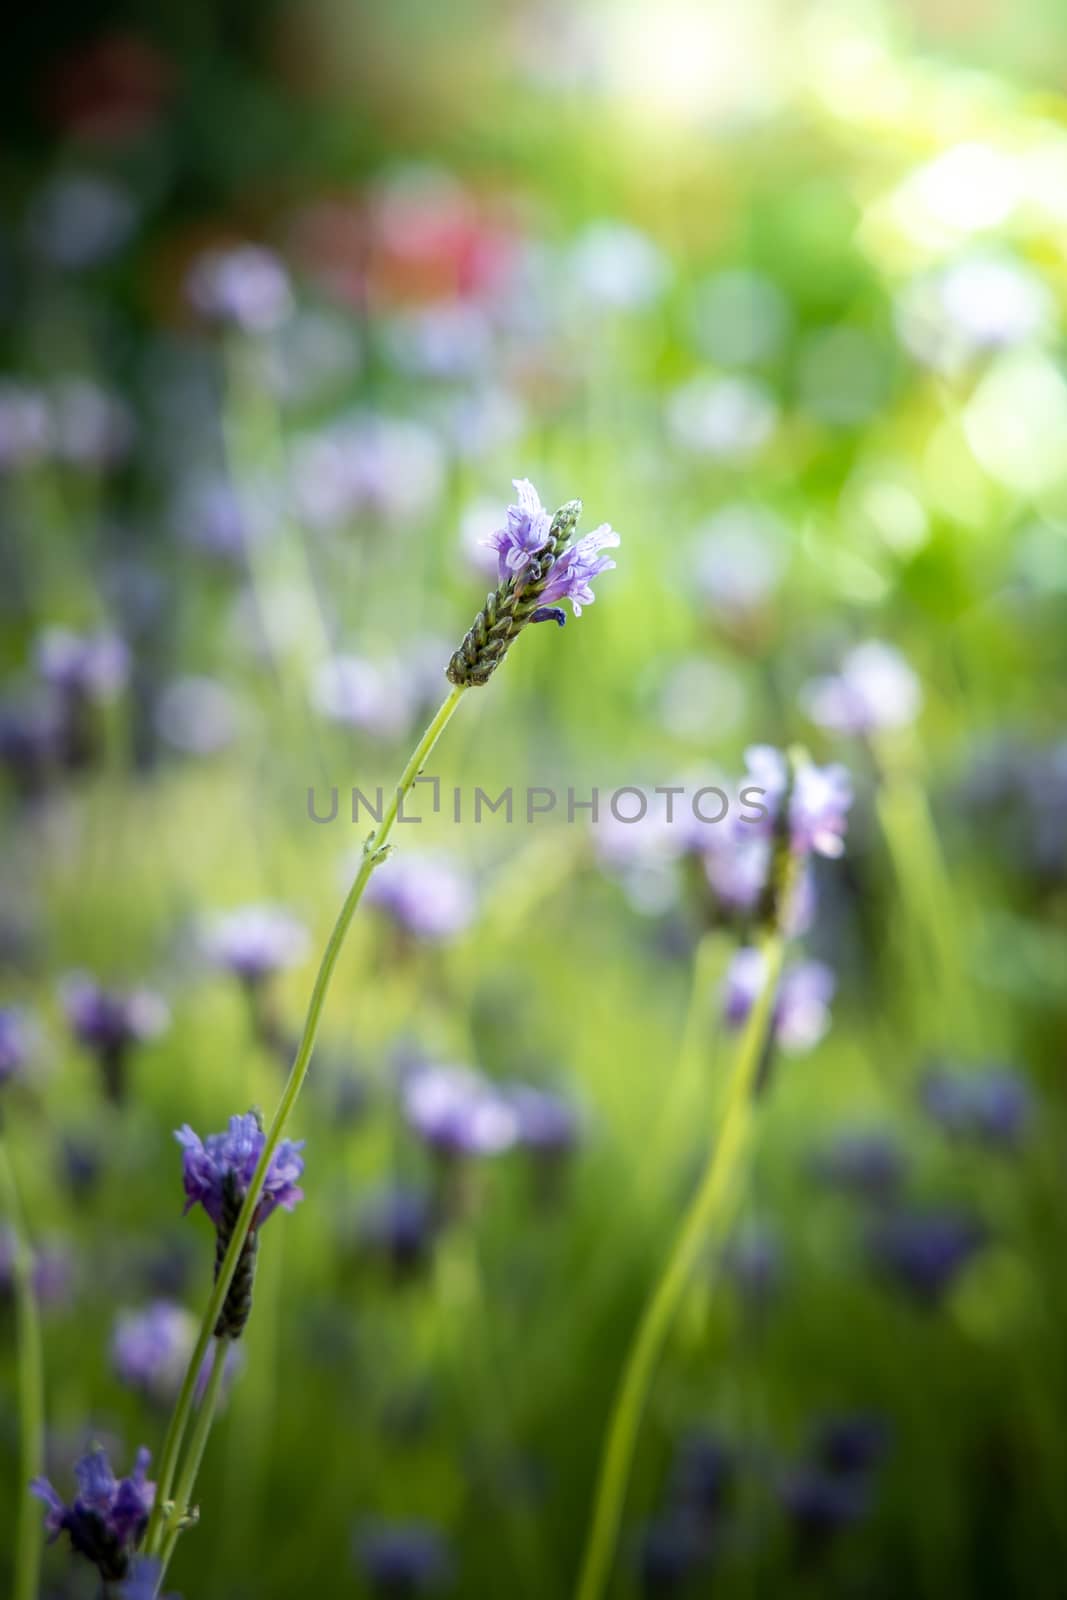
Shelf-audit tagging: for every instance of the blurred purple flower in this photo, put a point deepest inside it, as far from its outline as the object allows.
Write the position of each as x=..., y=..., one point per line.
x=80, y=219
x=754, y=1261
x=450, y=341
x=802, y=1006
x=398, y=1223
x=25, y=426
x=197, y=715
x=737, y=561
x=993, y=1107
x=91, y=427
x=701, y=1475
x=458, y=1112
x=737, y=865
x=255, y=941
x=818, y=806
x=108, y=1515
x=108, y=1020
x=85, y=666
x=16, y=1042
x=669, y=1551
x=547, y=1124
x=861, y=1161
x=850, y=1444
x=210, y=514
x=820, y=1504
x=373, y=696
x=53, y=1269
x=723, y=418
x=428, y=896
x=401, y=1560
x=246, y=287
x=875, y=690
x=925, y=1252
x=220, y=1168
x=150, y=1349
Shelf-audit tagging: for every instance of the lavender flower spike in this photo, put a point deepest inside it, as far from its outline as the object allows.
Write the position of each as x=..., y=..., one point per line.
x=537, y=565
x=216, y=1173
x=212, y=1166
x=108, y=1515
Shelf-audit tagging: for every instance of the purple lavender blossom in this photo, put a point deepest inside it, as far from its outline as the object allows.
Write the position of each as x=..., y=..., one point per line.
x=16, y=1042
x=402, y=1560
x=427, y=896
x=992, y=1107
x=524, y=533
x=255, y=941
x=802, y=1006
x=225, y=1162
x=867, y=1162
x=457, y=1112
x=875, y=690
x=246, y=287
x=818, y=806
x=924, y=1253
x=109, y=1022
x=573, y=572
x=108, y=1515
x=91, y=667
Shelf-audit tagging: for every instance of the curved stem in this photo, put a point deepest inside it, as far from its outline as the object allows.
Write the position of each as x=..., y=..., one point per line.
x=704, y=1221
x=28, y=1539
x=373, y=854
x=197, y=1444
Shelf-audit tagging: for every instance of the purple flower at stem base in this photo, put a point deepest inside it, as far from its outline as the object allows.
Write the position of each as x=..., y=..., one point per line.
x=107, y=1516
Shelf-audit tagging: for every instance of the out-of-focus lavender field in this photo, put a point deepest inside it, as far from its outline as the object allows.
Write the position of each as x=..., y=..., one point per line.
x=289, y=295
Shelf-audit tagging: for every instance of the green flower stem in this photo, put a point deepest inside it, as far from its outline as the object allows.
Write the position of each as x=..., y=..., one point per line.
x=197, y=1444
x=28, y=1538
x=705, y=1222
x=166, y=1511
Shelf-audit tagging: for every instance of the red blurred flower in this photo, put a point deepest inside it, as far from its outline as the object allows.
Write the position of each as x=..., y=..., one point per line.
x=110, y=90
